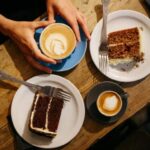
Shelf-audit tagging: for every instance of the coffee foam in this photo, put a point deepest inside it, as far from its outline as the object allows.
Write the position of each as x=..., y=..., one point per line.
x=57, y=41
x=110, y=103
x=56, y=44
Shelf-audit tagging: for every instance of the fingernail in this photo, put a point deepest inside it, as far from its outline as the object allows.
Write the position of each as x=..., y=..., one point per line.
x=59, y=61
x=52, y=21
x=79, y=39
x=54, y=62
x=89, y=37
x=49, y=71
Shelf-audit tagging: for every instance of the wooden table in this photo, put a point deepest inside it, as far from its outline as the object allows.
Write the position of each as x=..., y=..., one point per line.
x=84, y=76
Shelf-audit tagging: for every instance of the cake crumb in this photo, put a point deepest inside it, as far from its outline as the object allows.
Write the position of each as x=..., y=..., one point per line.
x=141, y=28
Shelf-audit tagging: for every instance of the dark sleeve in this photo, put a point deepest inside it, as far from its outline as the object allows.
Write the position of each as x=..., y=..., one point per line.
x=21, y=10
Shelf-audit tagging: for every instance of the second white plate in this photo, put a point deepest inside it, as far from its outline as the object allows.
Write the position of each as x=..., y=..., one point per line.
x=121, y=20
x=71, y=119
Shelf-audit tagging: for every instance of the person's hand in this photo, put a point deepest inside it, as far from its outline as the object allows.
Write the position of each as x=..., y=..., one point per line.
x=23, y=35
x=66, y=9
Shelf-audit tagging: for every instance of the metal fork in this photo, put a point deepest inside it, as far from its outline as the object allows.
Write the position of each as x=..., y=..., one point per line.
x=103, y=48
x=47, y=90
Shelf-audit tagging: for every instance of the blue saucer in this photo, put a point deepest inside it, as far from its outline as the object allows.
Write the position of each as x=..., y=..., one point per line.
x=71, y=61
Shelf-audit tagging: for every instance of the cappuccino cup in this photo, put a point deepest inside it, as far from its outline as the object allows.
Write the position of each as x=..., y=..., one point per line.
x=109, y=103
x=57, y=41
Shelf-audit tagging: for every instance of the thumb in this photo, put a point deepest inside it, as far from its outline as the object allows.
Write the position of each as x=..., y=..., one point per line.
x=51, y=14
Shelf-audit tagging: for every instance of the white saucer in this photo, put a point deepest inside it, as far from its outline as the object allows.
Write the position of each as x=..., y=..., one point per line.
x=72, y=115
x=118, y=20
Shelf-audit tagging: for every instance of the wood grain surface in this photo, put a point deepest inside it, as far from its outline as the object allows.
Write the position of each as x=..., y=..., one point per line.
x=84, y=76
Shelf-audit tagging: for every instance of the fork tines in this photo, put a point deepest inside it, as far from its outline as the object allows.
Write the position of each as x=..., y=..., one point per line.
x=55, y=92
x=103, y=61
x=103, y=57
x=64, y=95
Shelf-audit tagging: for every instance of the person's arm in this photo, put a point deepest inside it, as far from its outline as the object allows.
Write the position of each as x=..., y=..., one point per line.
x=5, y=24
x=22, y=33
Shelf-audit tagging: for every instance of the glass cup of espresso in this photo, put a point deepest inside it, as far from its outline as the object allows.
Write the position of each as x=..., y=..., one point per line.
x=109, y=103
x=57, y=41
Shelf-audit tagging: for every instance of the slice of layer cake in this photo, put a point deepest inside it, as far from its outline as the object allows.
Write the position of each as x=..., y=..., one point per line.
x=45, y=114
x=125, y=46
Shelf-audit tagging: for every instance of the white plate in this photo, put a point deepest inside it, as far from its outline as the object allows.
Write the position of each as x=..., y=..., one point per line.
x=121, y=20
x=71, y=119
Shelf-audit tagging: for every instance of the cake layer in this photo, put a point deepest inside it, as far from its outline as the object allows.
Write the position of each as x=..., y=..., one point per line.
x=39, y=111
x=45, y=115
x=54, y=114
x=125, y=50
x=124, y=36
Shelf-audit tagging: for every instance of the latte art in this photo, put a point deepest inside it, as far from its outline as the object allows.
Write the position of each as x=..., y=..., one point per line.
x=56, y=44
x=57, y=41
x=109, y=103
